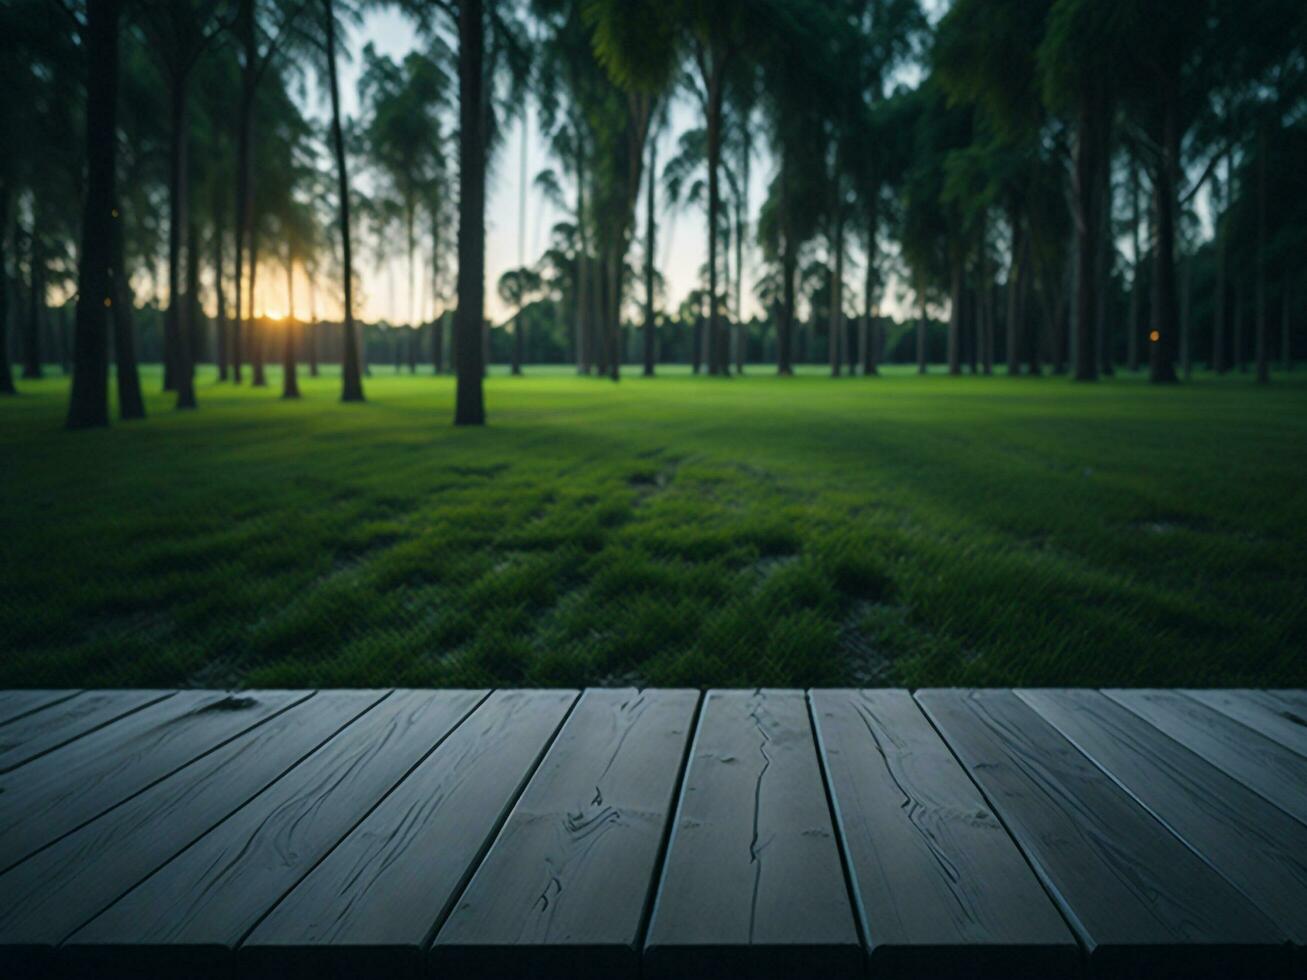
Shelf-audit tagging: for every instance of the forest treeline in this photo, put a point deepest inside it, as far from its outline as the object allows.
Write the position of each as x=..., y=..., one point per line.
x=1069, y=186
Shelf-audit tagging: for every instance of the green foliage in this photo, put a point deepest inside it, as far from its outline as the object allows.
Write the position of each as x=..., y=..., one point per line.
x=771, y=531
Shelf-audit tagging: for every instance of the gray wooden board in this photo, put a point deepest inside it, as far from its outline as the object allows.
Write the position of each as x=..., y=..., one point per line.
x=48, y=896
x=1143, y=903
x=1257, y=846
x=565, y=888
x=1262, y=713
x=1277, y=773
x=752, y=883
x=20, y=704
x=941, y=889
x=370, y=908
x=188, y=917
x=30, y=738
x=54, y=795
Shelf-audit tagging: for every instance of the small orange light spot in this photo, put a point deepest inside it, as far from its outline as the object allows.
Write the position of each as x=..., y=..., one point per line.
x=108, y=301
x=114, y=212
x=1154, y=336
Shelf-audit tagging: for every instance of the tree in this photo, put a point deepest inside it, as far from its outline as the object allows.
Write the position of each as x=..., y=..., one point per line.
x=89, y=403
x=517, y=288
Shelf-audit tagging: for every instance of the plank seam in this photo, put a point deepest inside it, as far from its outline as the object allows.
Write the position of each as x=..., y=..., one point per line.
x=456, y=894
x=850, y=883
x=164, y=696
x=357, y=823
x=1078, y=931
x=68, y=696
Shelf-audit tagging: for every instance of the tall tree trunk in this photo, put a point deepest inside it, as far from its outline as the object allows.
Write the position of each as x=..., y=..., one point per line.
x=519, y=326
x=89, y=402
x=1186, y=317
x=1240, y=358
x=1220, y=304
x=714, y=121
x=789, y=268
x=836, y=329
x=176, y=320
x=955, y=317
x=1103, y=347
x=258, y=325
x=1089, y=125
x=1136, y=304
x=311, y=329
x=186, y=341
x=290, y=382
x=583, y=353
x=220, y=293
x=921, y=331
x=867, y=340
x=131, y=405
x=1263, y=354
x=32, y=368
x=6, y=372
x=1015, y=276
x=469, y=401
x=351, y=376
x=1161, y=362
x=244, y=26
x=650, y=224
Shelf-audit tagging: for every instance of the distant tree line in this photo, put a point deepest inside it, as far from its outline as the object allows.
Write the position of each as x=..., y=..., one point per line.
x=1064, y=186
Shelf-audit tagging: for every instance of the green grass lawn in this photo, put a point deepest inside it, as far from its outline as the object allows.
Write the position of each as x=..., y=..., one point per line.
x=689, y=531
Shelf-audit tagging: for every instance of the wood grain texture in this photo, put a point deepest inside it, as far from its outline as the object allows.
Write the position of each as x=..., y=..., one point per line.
x=1254, y=844
x=20, y=704
x=1277, y=773
x=1263, y=713
x=565, y=888
x=752, y=883
x=1142, y=903
x=941, y=889
x=55, y=795
x=371, y=907
x=31, y=737
x=47, y=897
x=188, y=917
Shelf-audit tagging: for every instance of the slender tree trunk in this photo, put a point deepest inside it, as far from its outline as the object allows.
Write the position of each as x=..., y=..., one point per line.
x=290, y=383
x=6, y=372
x=350, y=375
x=582, y=268
x=1239, y=355
x=789, y=267
x=696, y=346
x=1165, y=313
x=1186, y=316
x=220, y=293
x=867, y=338
x=921, y=331
x=1220, y=304
x=955, y=317
x=650, y=322
x=1136, y=305
x=836, y=329
x=469, y=402
x=519, y=325
x=32, y=369
x=185, y=341
x=1263, y=354
x=714, y=89
x=131, y=404
x=1103, y=346
x=1089, y=123
x=311, y=334
x=258, y=325
x=1015, y=275
x=176, y=321
x=89, y=403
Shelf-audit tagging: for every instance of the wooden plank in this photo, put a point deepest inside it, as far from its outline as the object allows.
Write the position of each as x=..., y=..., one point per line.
x=1258, y=847
x=1142, y=903
x=187, y=918
x=32, y=737
x=1277, y=773
x=57, y=794
x=1263, y=713
x=565, y=888
x=47, y=897
x=371, y=907
x=752, y=884
x=20, y=704
x=940, y=888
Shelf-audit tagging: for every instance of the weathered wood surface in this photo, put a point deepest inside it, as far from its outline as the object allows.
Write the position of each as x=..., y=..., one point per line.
x=941, y=889
x=752, y=885
x=372, y=906
x=1141, y=901
x=654, y=834
x=31, y=737
x=1254, y=844
x=20, y=704
x=46, y=898
x=1262, y=712
x=59, y=792
x=564, y=890
x=187, y=918
x=1277, y=773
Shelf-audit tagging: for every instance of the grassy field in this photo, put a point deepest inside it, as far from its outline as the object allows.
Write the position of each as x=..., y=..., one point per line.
x=686, y=531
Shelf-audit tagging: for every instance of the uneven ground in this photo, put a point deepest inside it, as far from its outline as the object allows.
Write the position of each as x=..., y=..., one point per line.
x=757, y=531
